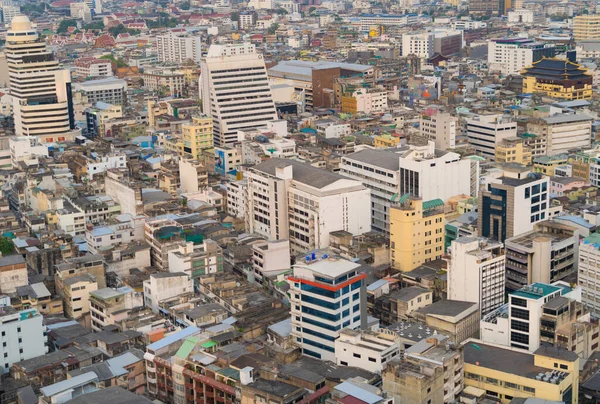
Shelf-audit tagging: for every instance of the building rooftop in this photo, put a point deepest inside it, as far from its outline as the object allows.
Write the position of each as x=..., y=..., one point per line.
x=112, y=395
x=303, y=173
x=502, y=359
x=330, y=267
x=566, y=118
x=68, y=384
x=8, y=260
x=409, y=293
x=449, y=308
x=177, y=336
x=274, y=387
x=379, y=158
x=536, y=291
x=527, y=240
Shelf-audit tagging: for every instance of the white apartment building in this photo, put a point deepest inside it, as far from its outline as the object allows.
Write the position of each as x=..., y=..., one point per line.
x=589, y=271
x=430, y=173
x=196, y=259
x=476, y=273
x=236, y=203
x=441, y=128
x=100, y=164
x=485, y=132
x=261, y=4
x=420, y=170
x=92, y=67
x=164, y=80
x=326, y=295
x=22, y=335
x=511, y=55
x=521, y=17
x=9, y=12
x=165, y=285
x=270, y=258
x=564, y=132
x=371, y=102
x=420, y=45
x=235, y=91
x=124, y=232
x=25, y=148
x=517, y=323
x=368, y=350
x=386, y=20
x=287, y=199
x=178, y=48
x=41, y=91
x=110, y=90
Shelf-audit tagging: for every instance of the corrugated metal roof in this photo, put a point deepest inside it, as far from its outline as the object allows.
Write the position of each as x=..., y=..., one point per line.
x=432, y=204
x=177, y=336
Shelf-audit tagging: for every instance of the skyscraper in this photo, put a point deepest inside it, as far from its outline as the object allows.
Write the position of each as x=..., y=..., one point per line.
x=41, y=91
x=235, y=91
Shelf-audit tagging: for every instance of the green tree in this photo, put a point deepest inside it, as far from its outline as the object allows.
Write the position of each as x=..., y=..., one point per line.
x=96, y=25
x=117, y=62
x=234, y=16
x=6, y=245
x=185, y=6
x=64, y=26
x=273, y=28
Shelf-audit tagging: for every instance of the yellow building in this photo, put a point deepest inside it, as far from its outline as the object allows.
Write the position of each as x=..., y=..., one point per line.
x=195, y=139
x=586, y=26
x=512, y=150
x=416, y=232
x=506, y=373
x=547, y=164
x=385, y=141
x=557, y=78
x=349, y=104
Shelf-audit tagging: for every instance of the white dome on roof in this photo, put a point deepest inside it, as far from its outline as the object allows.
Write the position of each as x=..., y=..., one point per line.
x=20, y=23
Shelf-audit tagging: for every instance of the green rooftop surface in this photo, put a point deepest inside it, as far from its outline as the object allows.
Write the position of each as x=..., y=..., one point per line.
x=542, y=288
x=432, y=204
x=208, y=344
x=187, y=347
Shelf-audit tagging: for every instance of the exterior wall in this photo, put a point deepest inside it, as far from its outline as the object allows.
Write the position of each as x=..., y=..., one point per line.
x=161, y=288
x=220, y=70
x=320, y=310
x=441, y=128
x=13, y=276
x=487, y=131
x=417, y=239
x=366, y=351
x=76, y=298
x=24, y=336
x=476, y=275
x=130, y=199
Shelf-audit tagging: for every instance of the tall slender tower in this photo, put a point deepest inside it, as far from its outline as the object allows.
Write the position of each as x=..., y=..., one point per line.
x=235, y=91
x=41, y=91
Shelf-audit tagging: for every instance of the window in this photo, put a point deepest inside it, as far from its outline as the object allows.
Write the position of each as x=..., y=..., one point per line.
x=529, y=389
x=356, y=355
x=343, y=363
x=564, y=366
x=372, y=359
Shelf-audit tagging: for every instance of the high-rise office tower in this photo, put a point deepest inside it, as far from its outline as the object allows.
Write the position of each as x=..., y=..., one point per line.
x=41, y=91
x=235, y=91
